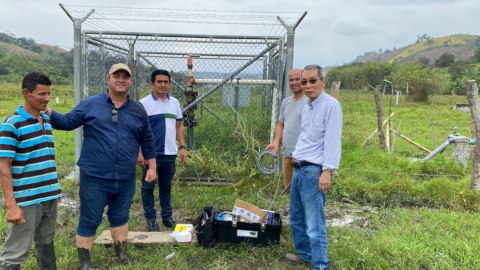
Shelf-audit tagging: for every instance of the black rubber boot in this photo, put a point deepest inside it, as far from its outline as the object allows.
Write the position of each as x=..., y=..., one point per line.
x=84, y=258
x=120, y=250
x=46, y=259
x=10, y=267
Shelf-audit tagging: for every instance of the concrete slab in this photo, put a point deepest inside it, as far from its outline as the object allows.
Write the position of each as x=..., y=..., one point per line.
x=142, y=238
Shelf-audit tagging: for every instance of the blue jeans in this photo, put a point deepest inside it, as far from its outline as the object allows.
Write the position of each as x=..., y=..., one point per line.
x=96, y=193
x=307, y=217
x=165, y=171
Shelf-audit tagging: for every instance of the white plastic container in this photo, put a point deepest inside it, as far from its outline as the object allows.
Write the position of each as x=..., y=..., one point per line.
x=183, y=232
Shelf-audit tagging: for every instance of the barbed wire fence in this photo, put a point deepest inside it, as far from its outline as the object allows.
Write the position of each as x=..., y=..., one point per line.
x=231, y=110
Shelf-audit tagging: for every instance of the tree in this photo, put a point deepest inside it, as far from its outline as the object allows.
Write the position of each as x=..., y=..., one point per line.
x=423, y=83
x=374, y=73
x=424, y=60
x=429, y=42
x=477, y=41
x=476, y=56
x=445, y=60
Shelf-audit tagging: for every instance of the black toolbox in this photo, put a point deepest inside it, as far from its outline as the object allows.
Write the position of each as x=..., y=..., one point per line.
x=254, y=233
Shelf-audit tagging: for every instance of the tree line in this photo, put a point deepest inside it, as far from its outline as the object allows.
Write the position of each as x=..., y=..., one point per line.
x=420, y=78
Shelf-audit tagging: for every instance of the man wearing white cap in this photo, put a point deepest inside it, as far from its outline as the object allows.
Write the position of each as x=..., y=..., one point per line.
x=114, y=127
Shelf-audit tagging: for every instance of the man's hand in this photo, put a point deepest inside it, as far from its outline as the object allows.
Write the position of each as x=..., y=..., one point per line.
x=324, y=181
x=141, y=161
x=48, y=112
x=59, y=199
x=151, y=175
x=15, y=215
x=272, y=147
x=183, y=155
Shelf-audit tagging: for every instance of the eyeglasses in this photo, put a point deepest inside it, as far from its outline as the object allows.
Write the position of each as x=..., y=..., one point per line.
x=115, y=116
x=311, y=81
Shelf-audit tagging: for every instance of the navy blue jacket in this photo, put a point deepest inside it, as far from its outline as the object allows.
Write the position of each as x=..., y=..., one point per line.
x=110, y=150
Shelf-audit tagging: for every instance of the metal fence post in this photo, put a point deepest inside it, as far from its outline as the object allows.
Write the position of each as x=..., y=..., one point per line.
x=104, y=75
x=290, y=50
x=77, y=73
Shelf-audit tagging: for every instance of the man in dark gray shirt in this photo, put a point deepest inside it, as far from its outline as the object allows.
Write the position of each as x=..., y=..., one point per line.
x=288, y=127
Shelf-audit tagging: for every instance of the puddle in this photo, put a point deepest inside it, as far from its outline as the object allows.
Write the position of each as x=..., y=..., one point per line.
x=66, y=202
x=341, y=215
x=343, y=221
x=71, y=175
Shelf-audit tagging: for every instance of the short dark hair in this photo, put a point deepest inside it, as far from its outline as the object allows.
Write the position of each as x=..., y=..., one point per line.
x=31, y=80
x=159, y=72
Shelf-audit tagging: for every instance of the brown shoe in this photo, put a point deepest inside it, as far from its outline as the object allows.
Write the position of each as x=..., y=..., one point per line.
x=295, y=258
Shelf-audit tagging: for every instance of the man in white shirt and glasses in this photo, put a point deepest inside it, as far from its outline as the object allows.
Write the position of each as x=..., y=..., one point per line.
x=317, y=156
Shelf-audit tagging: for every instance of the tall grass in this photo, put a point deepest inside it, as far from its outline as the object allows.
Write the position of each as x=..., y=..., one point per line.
x=426, y=218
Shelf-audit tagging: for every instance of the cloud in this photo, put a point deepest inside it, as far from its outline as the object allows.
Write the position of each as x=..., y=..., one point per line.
x=354, y=26
x=332, y=33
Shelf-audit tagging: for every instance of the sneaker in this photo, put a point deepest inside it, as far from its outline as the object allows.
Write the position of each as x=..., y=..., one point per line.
x=293, y=258
x=169, y=223
x=152, y=226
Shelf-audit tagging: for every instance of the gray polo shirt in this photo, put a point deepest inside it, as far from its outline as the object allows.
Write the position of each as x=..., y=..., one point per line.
x=291, y=115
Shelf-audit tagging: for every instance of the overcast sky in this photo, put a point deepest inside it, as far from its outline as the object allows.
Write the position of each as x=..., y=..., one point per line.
x=334, y=32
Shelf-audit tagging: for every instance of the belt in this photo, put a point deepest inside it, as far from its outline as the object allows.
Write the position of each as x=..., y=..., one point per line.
x=303, y=163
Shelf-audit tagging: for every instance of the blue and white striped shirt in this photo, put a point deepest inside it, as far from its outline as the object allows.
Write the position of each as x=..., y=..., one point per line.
x=34, y=174
x=320, y=139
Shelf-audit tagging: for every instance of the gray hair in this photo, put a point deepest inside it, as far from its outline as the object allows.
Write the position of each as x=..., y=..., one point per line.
x=321, y=72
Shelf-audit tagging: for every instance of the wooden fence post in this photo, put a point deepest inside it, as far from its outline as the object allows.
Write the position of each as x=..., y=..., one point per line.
x=378, y=104
x=406, y=96
x=474, y=101
x=335, y=89
x=433, y=128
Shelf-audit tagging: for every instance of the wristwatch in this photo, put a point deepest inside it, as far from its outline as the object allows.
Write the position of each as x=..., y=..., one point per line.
x=183, y=146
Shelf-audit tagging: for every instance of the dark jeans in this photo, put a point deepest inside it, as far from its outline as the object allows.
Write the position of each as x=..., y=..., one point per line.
x=96, y=193
x=165, y=171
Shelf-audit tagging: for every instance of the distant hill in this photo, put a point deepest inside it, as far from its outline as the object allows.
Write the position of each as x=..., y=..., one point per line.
x=462, y=46
x=26, y=46
x=19, y=56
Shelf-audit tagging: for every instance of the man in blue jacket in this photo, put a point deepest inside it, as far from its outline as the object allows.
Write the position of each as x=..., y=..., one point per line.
x=114, y=127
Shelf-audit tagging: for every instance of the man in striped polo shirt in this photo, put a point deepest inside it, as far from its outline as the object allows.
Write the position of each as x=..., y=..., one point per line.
x=166, y=121
x=29, y=178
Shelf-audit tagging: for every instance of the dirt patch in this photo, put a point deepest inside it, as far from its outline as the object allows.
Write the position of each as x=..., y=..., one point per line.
x=340, y=215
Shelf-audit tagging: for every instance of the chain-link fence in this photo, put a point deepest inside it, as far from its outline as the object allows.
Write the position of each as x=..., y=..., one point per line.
x=233, y=107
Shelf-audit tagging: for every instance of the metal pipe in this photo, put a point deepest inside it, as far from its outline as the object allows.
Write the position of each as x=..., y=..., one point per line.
x=450, y=140
x=236, y=81
x=179, y=35
x=104, y=73
x=273, y=121
x=99, y=44
x=203, y=58
x=195, y=41
x=198, y=54
x=77, y=71
x=290, y=50
x=94, y=39
x=228, y=78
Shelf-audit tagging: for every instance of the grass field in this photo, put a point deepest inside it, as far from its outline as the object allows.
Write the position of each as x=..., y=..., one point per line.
x=425, y=216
